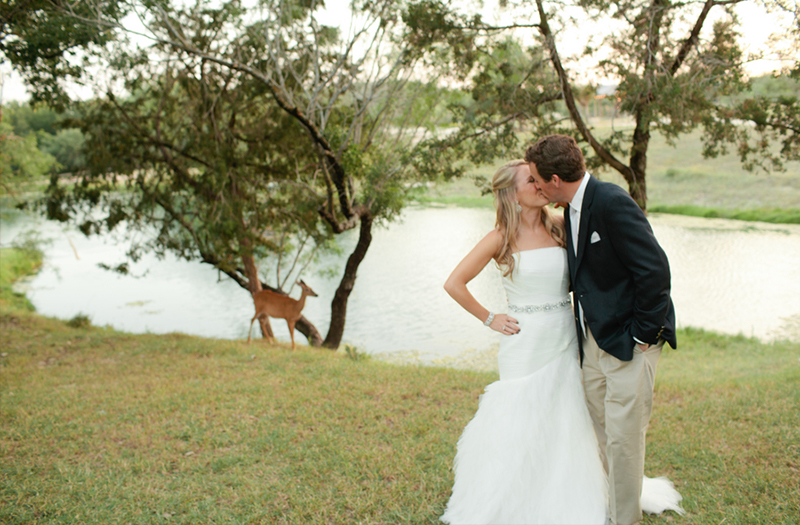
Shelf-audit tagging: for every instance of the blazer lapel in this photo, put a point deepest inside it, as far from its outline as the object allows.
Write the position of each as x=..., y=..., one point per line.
x=571, y=259
x=586, y=212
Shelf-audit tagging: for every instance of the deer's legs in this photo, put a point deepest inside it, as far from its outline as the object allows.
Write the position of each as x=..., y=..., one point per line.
x=291, y=331
x=266, y=328
x=250, y=332
x=263, y=321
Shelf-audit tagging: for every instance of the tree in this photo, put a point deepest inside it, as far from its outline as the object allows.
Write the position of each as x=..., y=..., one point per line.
x=20, y=159
x=26, y=118
x=47, y=136
x=247, y=131
x=47, y=45
x=672, y=78
x=209, y=164
x=67, y=147
x=506, y=86
x=773, y=116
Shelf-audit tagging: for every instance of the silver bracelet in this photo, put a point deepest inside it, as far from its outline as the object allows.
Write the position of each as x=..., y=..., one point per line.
x=489, y=319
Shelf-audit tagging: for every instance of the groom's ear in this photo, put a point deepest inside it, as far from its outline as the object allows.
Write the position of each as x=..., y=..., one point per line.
x=556, y=180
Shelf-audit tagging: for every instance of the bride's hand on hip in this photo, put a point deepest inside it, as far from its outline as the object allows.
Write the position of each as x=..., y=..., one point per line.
x=505, y=324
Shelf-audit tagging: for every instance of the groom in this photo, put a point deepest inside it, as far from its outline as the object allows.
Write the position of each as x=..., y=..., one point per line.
x=623, y=311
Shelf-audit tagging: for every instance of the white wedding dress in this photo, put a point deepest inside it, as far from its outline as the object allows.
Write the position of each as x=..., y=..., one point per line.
x=530, y=454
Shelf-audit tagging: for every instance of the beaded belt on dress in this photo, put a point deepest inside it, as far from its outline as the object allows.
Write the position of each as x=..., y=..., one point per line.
x=546, y=307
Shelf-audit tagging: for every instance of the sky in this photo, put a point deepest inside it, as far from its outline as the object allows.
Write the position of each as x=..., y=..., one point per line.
x=756, y=27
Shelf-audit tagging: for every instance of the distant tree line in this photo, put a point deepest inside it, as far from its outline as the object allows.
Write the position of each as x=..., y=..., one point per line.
x=36, y=141
x=39, y=141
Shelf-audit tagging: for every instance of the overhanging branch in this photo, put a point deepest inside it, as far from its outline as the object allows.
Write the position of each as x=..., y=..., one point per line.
x=569, y=98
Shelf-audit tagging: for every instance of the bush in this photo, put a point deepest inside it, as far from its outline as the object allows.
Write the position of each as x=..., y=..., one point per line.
x=355, y=354
x=81, y=320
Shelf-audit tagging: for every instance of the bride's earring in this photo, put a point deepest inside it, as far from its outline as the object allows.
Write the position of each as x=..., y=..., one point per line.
x=519, y=208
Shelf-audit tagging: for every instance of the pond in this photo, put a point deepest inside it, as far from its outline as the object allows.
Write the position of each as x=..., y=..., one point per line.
x=729, y=276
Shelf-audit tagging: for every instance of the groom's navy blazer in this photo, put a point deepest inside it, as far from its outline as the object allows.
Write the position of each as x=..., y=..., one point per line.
x=620, y=275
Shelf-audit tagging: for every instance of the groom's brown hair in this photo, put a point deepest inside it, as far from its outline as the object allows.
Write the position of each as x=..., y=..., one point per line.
x=557, y=155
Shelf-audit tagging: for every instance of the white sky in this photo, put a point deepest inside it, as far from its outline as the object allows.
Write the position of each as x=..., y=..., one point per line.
x=756, y=27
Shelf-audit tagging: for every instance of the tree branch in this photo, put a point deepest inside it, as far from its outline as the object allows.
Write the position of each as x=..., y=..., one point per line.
x=339, y=176
x=569, y=98
x=694, y=35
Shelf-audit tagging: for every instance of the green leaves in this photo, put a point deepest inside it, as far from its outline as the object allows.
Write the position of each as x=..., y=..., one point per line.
x=21, y=160
x=433, y=29
x=761, y=124
x=44, y=40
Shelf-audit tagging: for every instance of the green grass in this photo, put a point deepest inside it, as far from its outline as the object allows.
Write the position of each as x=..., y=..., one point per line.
x=98, y=426
x=461, y=193
x=102, y=427
x=679, y=180
x=14, y=264
x=773, y=215
x=727, y=428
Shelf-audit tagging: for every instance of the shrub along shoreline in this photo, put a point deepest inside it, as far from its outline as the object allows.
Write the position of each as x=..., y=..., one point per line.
x=99, y=426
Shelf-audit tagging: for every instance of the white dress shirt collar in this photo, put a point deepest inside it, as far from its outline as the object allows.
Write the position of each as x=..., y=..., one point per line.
x=577, y=199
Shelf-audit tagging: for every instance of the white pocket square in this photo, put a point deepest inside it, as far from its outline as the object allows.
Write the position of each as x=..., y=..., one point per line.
x=595, y=237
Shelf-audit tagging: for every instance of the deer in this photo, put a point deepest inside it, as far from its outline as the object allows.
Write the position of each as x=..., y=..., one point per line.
x=273, y=304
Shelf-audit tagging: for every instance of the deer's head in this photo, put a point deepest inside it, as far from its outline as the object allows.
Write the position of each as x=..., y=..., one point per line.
x=306, y=289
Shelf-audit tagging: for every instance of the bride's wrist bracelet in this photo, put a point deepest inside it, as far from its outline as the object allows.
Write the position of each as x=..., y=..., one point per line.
x=489, y=319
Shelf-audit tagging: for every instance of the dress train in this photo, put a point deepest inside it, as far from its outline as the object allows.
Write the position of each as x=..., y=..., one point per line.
x=659, y=495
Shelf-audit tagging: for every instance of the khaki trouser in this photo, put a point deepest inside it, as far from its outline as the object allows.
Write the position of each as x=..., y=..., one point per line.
x=620, y=399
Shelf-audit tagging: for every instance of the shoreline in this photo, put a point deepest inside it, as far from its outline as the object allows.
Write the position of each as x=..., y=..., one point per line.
x=763, y=215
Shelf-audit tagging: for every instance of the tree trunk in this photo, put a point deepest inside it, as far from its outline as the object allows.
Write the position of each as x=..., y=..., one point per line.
x=637, y=186
x=569, y=97
x=339, y=303
x=254, y=286
x=305, y=327
x=251, y=272
x=641, y=135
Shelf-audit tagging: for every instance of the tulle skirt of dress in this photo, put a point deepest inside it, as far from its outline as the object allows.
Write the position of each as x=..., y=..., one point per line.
x=530, y=454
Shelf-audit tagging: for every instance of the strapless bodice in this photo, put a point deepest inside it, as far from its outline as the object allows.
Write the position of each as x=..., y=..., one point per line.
x=538, y=298
x=539, y=276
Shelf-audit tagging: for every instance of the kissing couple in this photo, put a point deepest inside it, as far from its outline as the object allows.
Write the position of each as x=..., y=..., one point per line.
x=560, y=438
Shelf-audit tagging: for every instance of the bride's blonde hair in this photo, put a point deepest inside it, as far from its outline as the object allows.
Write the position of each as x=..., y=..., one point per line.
x=504, y=187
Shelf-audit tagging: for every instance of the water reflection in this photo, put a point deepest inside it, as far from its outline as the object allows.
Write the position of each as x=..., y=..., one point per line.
x=732, y=276
x=729, y=276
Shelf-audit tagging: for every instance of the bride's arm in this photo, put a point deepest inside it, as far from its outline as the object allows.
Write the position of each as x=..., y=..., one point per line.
x=475, y=261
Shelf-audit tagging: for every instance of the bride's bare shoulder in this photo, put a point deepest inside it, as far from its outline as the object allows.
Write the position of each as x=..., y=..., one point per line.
x=490, y=244
x=494, y=242
x=495, y=238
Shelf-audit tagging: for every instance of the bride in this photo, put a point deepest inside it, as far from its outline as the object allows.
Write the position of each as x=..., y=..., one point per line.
x=530, y=454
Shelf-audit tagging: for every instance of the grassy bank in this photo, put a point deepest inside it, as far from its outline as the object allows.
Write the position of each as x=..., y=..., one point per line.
x=98, y=426
x=771, y=215
x=16, y=263
x=679, y=181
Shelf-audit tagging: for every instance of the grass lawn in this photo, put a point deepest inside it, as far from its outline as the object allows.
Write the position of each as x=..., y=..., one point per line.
x=98, y=426
x=679, y=180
